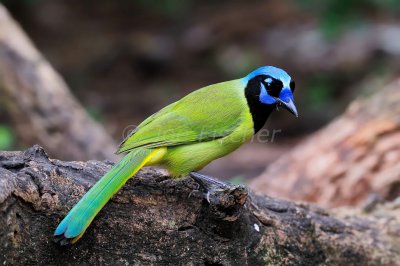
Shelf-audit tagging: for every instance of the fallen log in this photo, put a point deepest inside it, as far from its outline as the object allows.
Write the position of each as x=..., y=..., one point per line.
x=157, y=220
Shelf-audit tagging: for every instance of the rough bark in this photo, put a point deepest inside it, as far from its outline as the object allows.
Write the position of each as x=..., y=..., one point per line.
x=40, y=103
x=156, y=220
x=355, y=156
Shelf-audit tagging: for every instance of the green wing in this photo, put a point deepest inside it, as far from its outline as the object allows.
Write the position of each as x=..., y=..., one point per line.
x=209, y=113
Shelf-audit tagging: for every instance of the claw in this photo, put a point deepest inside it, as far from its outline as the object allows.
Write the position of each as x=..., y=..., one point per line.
x=194, y=191
x=207, y=196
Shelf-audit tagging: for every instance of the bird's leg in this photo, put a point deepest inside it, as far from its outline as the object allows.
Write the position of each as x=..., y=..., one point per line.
x=206, y=181
x=207, y=184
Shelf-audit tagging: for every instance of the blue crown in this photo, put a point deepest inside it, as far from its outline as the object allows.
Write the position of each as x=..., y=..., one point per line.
x=274, y=72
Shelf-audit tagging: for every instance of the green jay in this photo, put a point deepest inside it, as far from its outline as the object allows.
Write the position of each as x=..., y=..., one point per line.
x=186, y=135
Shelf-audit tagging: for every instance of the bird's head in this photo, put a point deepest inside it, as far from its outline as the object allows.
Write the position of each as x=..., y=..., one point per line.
x=271, y=86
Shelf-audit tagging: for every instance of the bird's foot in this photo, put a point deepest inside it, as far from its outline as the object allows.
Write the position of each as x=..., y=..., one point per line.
x=225, y=201
x=204, y=195
x=207, y=185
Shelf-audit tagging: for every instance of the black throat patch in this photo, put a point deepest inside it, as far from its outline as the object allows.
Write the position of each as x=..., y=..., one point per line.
x=259, y=111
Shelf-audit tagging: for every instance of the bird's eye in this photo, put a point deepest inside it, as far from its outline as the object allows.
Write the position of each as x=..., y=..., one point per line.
x=273, y=86
x=292, y=85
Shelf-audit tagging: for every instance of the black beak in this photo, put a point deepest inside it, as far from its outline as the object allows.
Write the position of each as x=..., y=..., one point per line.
x=287, y=105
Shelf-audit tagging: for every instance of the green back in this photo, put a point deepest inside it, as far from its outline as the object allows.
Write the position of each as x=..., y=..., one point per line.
x=209, y=113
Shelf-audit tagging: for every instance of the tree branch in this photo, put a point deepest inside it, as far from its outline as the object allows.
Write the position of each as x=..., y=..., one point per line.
x=156, y=220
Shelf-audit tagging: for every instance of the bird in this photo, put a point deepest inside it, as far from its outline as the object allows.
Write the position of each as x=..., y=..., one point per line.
x=188, y=134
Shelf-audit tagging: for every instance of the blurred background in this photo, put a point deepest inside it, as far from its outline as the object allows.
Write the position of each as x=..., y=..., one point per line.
x=126, y=59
